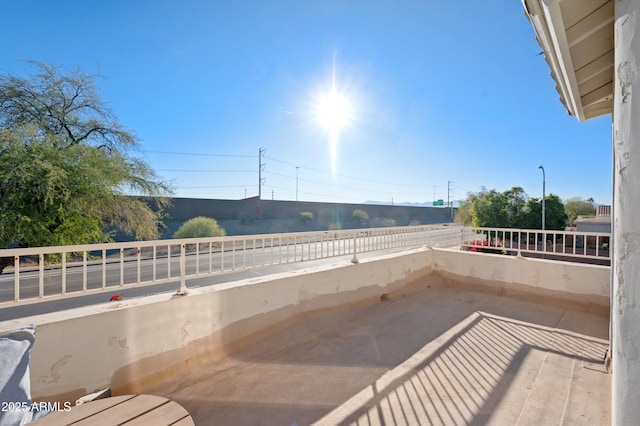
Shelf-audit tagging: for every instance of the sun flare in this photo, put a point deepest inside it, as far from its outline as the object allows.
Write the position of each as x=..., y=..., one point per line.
x=333, y=111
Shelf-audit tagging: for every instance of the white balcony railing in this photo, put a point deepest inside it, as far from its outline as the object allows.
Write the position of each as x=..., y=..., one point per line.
x=54, y=272
x=592, y=247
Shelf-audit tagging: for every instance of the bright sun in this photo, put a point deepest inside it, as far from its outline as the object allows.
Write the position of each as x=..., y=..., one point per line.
x=333, y=111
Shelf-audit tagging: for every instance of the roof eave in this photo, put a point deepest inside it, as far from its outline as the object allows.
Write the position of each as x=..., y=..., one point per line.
x=548, y=26
x=587, y=91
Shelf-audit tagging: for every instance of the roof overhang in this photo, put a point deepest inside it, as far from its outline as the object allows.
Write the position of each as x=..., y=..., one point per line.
x=576, y=37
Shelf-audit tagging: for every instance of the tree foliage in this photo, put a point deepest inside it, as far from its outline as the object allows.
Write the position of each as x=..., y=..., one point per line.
x=66, y=171
x=579, y=207
x=67, y=106
x=511, y=209
x=200, y=227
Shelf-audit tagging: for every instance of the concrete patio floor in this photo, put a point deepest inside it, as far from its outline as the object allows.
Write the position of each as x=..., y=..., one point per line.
x=431, y=354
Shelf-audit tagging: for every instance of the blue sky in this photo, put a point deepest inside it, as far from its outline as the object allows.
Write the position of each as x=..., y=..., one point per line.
x=437, y=91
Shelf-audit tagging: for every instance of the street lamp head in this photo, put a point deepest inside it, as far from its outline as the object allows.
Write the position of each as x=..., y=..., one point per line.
x=540, y=167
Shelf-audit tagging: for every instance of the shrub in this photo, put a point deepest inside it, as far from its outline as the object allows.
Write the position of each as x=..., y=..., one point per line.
x=389, y=223
x=360, y=216
x=334, y=226
x=248, y=218
x=199, y=227
x=414, y=222
x=306, y=217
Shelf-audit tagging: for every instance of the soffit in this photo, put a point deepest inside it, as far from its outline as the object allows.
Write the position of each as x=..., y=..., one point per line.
x=576, y=37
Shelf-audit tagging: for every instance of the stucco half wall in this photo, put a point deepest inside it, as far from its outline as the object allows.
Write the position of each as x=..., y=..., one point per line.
x=133, y=343
x=570, y=283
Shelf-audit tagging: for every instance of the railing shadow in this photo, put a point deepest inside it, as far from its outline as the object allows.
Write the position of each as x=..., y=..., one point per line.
x=464, y=379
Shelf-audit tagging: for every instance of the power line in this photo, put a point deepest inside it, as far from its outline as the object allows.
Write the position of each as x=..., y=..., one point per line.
x=197, y=154
x=349, y=177
x=204, y=171
x=360, y=189
x=262, y=170
x=216, y=186
x=261, y=155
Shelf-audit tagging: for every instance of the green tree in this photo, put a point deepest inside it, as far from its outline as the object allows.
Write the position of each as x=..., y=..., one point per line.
x=200, y=227
x=66, y=172
x=578, y=206
x=464, y=215
x=510, y=209
x=516, y=200
x=490, y=209
x=555, y=216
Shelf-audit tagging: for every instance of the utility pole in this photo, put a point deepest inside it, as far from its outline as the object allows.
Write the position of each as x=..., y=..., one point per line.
x=261, y=180
x=543, y=195
x=261, y=165
x=297, y=167
x=449, y=202
x=544, y=237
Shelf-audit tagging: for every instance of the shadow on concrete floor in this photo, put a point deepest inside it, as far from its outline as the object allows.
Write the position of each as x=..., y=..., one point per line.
x=431, y=354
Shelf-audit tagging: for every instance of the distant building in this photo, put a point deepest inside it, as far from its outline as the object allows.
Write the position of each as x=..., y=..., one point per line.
x=603, y=211
x=601, y=222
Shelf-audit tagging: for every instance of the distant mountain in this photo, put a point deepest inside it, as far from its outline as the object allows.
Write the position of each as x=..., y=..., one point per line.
x=407, y=203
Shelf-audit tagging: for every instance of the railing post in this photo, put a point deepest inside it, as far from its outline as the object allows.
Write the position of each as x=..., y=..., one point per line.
x=16, y=278
x=63, y=272
x=355, y=249
x=104, y=268
x=41, y=275
x=183, y=291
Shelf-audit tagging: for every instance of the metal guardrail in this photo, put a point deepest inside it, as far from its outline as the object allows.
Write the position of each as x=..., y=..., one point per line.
x=550, y=244
x=49, y=272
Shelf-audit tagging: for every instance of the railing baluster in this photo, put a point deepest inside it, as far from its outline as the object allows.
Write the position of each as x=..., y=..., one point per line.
x=16, y=278
x=154, y=262
x=104, y=268
x=41, y=275
x=138, y=265
x=182, y=291
x=84, y=270
x=210, y=257
x=197, y=259
x=222, y=256
x=121, y=267
x=244, y=255
x=233, y=256
x=63, y=272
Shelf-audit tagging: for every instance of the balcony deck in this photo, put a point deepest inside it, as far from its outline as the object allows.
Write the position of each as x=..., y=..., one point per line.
x=432, y=354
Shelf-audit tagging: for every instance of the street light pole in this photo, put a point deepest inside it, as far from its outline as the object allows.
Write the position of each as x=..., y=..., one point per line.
x=543, y=194
x=544, y=239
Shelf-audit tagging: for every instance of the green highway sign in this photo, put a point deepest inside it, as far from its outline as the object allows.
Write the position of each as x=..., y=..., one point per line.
x=438, y=203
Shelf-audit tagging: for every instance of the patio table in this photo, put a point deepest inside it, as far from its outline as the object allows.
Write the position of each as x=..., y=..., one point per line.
x=128, y=410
